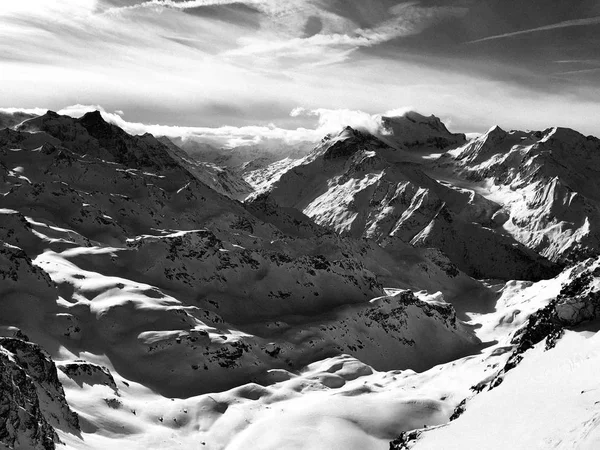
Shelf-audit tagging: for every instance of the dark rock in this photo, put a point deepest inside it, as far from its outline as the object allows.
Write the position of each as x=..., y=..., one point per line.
x=32, y=400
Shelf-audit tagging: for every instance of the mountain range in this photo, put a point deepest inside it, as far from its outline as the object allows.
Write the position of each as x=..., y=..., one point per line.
x=409, y=288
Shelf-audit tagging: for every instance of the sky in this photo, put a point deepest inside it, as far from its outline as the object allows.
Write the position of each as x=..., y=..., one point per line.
x=247, y=69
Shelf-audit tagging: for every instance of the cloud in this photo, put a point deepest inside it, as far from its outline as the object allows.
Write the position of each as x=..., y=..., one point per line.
x=226, y=136
x=328, y=47
x=333, y=120
x=327, y=121
x=35, y=111
x=183, y=4
x=554, y=26
x=577, y=72
x=397, y=112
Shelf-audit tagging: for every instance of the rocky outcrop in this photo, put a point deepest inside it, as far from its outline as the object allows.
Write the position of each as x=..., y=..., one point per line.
x=85, y=372
x=32, y=400
x=578, y=302
x=405, y=440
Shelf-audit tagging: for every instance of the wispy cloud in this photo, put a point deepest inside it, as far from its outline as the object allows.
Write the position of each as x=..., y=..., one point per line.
x=578, y=61
x=182, y=4
x=576, y=72
x=405, y=19
x=554, y=26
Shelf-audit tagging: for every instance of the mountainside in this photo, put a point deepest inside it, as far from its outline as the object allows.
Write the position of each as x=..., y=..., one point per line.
x=358, y=185
x=221, y=179
x=402, y=290
x=245, y=156
x=547, y=183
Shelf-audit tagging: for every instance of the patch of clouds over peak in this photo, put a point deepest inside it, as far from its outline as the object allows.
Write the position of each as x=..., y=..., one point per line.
x=333, y=120
x=327, y=121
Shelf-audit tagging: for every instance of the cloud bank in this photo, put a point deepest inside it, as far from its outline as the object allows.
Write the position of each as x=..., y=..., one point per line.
x=327, y=121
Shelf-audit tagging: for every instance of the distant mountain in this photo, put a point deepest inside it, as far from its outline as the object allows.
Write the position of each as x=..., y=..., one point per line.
x=221, y=179
x=9, y=120
x=415, y=131
x=358, y=185
x=547, y=182
x=256, y=155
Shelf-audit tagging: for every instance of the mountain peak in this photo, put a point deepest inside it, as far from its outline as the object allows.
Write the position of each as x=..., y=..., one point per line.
x=413, y=129
x=562, y=134
x=418, y=117
x=348, y=131
x=93, y=117
x=494, y=134
x=495, y=129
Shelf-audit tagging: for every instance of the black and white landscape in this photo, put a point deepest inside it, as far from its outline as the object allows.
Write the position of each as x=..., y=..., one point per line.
x=371, y=281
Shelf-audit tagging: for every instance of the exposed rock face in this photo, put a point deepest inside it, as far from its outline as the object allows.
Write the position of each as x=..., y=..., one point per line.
x=85, y=372
x=578, y=302
x=27, y=292
x=32, y=400
x=404, y=441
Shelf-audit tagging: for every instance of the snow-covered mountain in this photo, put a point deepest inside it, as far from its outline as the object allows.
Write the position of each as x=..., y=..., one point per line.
x=358, y=185
x=415, y=131
x=547, y=182
x=343, y=305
